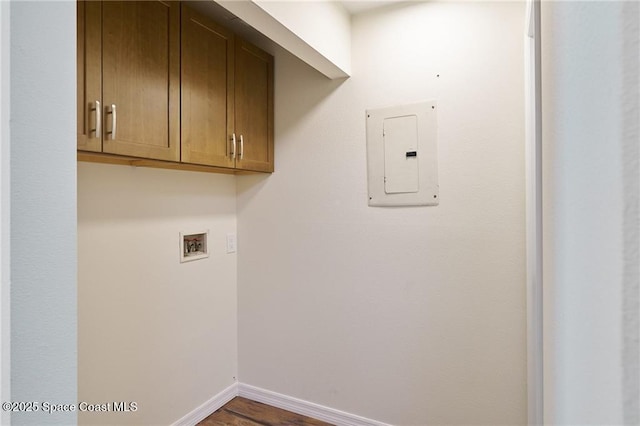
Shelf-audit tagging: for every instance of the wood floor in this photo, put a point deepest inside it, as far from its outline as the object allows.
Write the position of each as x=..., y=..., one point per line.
x=244, y=412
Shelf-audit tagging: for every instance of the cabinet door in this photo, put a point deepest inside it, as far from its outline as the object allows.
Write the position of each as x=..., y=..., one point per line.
x=89, y=75
x=254, y=107
x=141, y=78
x=207, y=91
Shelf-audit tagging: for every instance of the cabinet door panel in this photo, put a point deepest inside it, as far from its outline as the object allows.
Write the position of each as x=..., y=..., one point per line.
x=89, y=74
x=141, y=72
x=207, y=91
x=254, y=107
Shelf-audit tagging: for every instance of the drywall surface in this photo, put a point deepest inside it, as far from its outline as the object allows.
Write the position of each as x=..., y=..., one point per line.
x=409, y=316
x=590, y=145
x=43, y=208
x=311, y=20
x=153, y=330
x=302, y=29
x=5, y=210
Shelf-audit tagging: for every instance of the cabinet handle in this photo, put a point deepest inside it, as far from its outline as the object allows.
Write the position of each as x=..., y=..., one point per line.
x=112, y=110
x=98, y=110
x=241, y=147
x=233, y=145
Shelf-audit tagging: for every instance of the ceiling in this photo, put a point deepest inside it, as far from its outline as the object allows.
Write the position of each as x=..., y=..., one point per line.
x=358, y=6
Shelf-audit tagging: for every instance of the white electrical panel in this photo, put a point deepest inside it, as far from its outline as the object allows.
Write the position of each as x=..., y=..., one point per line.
x=400, y=141
x=402, y=155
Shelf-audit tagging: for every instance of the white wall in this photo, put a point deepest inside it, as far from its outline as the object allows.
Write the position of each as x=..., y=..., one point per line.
x=590, y=57
x=43, y=208
x=153, y=330
x=5, y=199
x=410, y=316
x=533, y=167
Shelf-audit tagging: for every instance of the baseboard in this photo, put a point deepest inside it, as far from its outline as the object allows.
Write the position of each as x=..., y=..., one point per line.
x=204, y=410
x=305, y=408
x=295, y=405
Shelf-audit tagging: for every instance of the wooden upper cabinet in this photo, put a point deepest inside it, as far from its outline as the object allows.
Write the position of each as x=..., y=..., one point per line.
x=159, y=81
x=89, y=72
x=141, y=78
x=253, y=108
x=129, y=62
x=207, y=91
x=227, y=98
